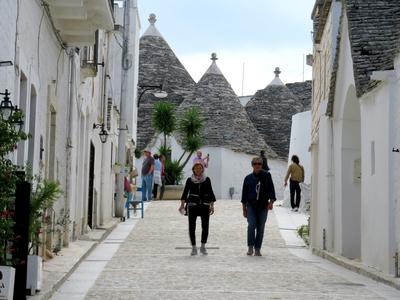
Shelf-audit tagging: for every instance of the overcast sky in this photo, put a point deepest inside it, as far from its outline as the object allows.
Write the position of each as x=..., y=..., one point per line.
x=261, y=34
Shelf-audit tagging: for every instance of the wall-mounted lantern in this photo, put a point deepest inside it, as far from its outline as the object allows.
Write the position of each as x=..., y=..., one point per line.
x=103, y=134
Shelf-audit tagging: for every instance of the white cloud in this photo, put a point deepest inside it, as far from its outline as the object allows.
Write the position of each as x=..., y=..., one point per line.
x=259, y=66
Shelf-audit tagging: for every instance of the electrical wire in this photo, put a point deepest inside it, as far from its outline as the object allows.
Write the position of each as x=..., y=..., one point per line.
x=16, y=68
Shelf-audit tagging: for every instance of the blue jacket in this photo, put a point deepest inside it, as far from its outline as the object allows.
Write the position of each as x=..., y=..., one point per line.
x=261, y=182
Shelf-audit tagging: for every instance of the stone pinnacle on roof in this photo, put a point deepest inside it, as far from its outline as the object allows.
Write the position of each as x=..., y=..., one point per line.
x=152, y=30
x=213, y=69
x=152, y=19
x=277, y=80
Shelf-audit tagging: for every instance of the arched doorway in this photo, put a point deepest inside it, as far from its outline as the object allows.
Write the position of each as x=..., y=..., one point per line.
x=351, y=176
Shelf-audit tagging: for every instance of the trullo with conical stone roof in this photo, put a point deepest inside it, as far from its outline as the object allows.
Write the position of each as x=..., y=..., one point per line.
x=158, y=65
x=271, y=110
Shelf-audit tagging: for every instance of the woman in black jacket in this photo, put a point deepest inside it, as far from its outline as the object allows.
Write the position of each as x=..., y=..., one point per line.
x=199, y=198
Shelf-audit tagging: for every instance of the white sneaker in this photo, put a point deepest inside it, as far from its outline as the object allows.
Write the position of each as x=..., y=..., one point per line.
x=296, y=209
x=194, y=251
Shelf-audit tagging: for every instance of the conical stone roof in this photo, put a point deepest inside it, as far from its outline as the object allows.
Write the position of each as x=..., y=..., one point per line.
x=226, y=123
x=158, y=65
x=271, y=110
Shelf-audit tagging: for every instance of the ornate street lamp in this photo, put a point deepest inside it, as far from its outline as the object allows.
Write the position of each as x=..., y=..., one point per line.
x=103, y=134
x=160, y=93
x=17, y=119
x=6, y=107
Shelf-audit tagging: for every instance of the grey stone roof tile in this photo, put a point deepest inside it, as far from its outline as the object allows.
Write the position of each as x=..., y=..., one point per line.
x=271, y=110
x=374, y=33
x=374, y=30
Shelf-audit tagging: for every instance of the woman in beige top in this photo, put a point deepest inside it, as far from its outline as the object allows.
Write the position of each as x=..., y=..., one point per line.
x=296, y=173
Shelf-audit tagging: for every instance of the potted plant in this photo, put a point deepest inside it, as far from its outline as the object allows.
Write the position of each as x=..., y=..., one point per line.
x=44, y=195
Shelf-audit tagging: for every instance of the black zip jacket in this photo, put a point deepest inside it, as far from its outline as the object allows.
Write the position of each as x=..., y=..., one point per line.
x=266, y=190
x=198, y=193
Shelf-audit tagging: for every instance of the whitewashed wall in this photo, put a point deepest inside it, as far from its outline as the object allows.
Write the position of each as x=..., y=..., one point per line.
x=350, y=212
x=226, y=169
x=47, y=72
x=378, y=238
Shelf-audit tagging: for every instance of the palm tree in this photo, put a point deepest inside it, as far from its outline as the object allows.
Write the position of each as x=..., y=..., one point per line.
x=164, y=120
x=189, y=128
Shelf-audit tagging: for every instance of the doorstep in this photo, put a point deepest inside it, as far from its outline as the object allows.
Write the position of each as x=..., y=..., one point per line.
x=359, y=268
x=57, y=270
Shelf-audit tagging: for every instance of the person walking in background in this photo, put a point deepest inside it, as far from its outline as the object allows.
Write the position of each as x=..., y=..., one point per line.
x=156, y=175
x=265, y=166
x=258, y=196
x=296, y=173
x=204, y=161
x=147, y=175
x=162, y=188
x=199, y=197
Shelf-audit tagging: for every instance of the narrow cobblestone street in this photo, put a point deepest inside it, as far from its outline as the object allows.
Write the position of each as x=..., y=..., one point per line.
x=154, y=263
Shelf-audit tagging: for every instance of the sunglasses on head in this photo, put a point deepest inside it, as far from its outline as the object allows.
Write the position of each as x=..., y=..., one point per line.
x=257, y=164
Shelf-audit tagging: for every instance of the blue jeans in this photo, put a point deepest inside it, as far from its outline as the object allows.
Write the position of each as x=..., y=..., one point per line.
x=256, y=218
x=147, y=186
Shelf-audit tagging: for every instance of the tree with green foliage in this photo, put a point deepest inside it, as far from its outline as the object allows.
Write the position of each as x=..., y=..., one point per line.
x=164, y=119
x=188, y=126
x=9, y=137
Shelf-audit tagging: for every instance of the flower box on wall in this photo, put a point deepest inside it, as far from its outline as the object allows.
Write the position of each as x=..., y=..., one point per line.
x=34, y=276
x=7, y=277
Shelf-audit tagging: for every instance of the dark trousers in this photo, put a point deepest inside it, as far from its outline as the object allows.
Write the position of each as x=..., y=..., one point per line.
x=155, y=188
x=162, y=188
x=295, y=189
x=193, y=212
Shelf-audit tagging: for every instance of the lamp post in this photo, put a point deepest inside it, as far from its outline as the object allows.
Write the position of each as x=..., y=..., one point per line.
x=103, y=134
x=10, y=113
x=6, y=107
x=160, y=94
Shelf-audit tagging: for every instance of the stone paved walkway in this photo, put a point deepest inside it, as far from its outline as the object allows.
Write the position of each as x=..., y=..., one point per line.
x=154, y=263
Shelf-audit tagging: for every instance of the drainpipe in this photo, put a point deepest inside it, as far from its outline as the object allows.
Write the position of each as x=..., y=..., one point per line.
x=104, y=146
x=68, y=188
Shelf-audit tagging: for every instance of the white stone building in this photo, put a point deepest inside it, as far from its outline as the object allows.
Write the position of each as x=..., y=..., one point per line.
x=355, y=112
x=65, y=65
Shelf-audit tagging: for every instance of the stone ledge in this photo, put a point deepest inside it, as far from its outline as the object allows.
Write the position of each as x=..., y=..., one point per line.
x=359, y=268
x=57, y=270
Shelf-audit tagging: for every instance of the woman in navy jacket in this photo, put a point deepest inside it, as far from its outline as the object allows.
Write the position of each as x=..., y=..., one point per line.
x=258, y=196
x=199, y=198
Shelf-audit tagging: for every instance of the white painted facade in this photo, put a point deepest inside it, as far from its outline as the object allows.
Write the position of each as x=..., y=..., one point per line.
x=355, y=173
x=227, y=169
x=61, y=101
x=300, y=139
